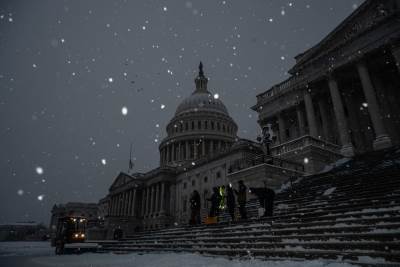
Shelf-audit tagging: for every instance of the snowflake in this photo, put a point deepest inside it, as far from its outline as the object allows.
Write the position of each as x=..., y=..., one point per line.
x=162, y=106
x=40, y=197
x=103, y=161
x=124, y=111
x=39, y=170
x=110, y=79
x=165, y=8
x=20, y=192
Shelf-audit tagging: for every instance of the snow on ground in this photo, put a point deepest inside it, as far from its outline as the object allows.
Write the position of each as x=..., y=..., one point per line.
x=21, y=248
x=169, y=260
x=41, y=255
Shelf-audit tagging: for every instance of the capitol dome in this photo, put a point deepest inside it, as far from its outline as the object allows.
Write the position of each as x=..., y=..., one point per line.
x=201, y=101
x=201, y=127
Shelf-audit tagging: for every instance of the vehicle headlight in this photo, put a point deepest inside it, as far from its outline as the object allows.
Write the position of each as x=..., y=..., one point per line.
x=82, y=235
x=76, y=235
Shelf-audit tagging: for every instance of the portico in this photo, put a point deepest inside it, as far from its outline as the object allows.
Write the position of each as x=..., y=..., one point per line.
x=338, y=101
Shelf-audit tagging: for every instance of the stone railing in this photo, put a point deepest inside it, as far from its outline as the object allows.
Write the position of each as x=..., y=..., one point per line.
x=251, y=161
x=302, y=142
x=281, y=88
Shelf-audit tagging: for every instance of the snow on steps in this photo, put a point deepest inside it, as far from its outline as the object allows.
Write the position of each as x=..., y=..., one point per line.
x=357, y=222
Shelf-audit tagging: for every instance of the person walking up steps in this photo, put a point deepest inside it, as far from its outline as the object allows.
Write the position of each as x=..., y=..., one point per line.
x=241, y=197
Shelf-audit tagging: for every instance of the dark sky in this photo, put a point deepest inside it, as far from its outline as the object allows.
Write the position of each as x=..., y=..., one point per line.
x=67, y=69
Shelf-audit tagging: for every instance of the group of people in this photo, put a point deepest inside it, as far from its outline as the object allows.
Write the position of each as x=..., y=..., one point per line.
x=224, y=197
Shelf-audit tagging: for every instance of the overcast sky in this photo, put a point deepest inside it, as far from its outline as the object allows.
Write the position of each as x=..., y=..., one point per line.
x=68, y=70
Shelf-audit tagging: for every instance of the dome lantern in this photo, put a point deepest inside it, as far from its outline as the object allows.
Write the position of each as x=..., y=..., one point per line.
x=201, y=81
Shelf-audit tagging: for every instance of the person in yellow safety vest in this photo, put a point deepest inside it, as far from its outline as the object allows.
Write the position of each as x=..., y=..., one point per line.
x=222, y=193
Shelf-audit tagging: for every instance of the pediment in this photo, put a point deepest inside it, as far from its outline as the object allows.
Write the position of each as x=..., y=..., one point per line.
x=121, y=180
x=368, y=15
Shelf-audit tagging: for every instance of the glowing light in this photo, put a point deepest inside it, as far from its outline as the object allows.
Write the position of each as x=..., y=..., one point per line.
x=40, y=197
x=103, y=161
x=39, y=170
x=216, y=96
x=124, y=111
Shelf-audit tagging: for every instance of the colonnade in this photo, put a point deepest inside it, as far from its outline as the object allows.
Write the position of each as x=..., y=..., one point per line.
x=154, y=199
x=123, y=203
x=382, y=139
x=191, y=149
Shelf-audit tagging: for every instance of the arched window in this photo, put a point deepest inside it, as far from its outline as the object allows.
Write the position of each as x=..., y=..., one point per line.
x=218, y=126
x=212, y=125
x=199, y=125
x=206, y=125
x=186, y=126
x=192, y=125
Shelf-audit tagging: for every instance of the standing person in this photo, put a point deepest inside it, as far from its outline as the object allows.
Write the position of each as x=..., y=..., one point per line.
x=195, y=206
x=222, y=193
x=230, y=201
x=215, y=201
x=241, y=195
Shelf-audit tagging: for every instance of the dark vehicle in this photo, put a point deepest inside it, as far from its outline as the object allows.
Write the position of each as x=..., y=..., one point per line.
x=70, y=235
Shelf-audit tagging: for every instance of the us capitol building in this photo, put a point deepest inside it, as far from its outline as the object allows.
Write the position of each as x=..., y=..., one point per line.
x=340, y=100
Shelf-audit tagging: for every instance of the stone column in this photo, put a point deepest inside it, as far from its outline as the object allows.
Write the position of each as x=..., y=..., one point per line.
x=133, y=208
x=143, y=201
x=325, y=118
x=312, y=122
x=148, y=192
x=123, y=203
x=347, y=147
x=162, y=197
x=118, y=204
x=396, y=55
x=187, y=150
x=282, y=131
x=112, y=206
x=152, y=200
x=130, y=202
x=203, y=147
x=168, y=153
x=382, y=139
x=179, y=151
x=195, y=149
x=157, y=199
x=115, y=213
x=301, y=122
x=127, y=200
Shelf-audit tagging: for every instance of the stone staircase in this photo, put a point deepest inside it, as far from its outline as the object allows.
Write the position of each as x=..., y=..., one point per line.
x=349, y=214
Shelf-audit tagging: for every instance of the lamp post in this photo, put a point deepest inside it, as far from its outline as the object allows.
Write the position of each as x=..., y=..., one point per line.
x=266, y=139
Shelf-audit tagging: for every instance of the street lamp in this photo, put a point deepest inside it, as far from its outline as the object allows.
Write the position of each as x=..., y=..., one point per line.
x=266, y=139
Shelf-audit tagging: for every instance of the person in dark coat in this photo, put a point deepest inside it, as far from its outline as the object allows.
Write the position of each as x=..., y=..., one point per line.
x=195, y=206
x=266, y=198
x=241, y=197
x=230, y=201
x=215, y=201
